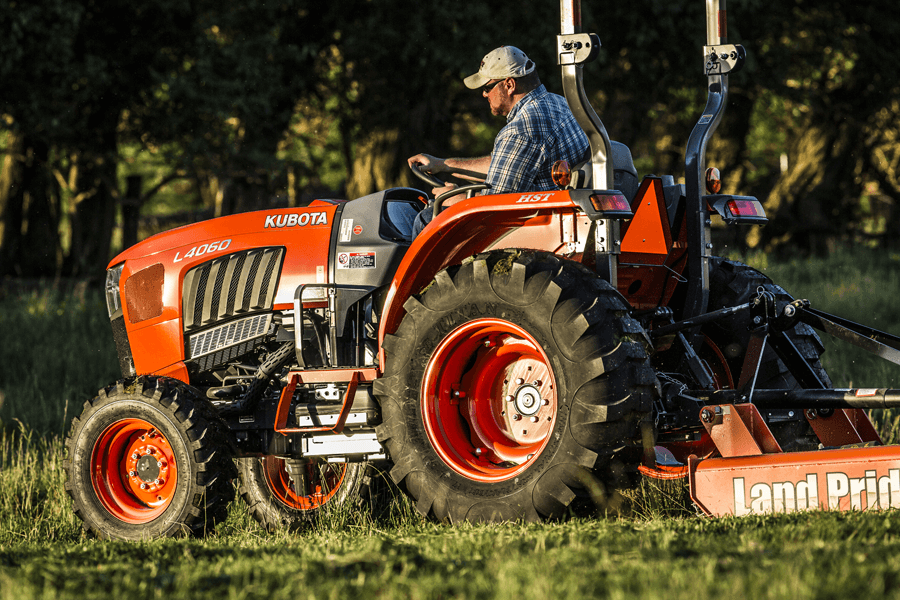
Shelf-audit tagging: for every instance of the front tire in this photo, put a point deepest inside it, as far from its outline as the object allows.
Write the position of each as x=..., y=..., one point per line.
x=148, y=459
x=515, y=384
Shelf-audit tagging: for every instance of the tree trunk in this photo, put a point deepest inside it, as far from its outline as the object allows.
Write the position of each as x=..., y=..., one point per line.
x=131, y=211
x=12, y=202
x=813, y=203
x=29, y=228
x=40, y=243
x=92, y=217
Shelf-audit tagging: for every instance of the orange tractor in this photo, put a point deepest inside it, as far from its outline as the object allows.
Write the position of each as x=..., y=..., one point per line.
x=524, y=355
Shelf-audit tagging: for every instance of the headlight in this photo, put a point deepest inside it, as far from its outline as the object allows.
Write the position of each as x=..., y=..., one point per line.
x=113, y=298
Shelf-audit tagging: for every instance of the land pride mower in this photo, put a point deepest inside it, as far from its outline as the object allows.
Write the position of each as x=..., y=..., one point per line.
x=521, y=357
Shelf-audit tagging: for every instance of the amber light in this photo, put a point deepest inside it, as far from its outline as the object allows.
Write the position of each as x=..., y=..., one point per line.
x=610, y=203
x=561, y=173
x=713, y=180
x=745, y=208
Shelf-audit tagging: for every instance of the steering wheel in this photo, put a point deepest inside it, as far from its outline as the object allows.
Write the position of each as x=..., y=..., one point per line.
x=435, y=182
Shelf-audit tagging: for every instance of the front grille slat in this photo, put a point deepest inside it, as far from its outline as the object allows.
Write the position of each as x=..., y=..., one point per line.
x=231, y=285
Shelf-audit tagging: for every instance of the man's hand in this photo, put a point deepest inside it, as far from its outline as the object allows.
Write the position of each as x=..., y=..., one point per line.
x=427, y=163
x=451, y=200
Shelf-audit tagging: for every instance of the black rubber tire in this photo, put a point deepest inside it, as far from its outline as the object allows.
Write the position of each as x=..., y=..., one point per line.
x=605, y=387
x=199, y=446
x=274, y=513
x=731, y=284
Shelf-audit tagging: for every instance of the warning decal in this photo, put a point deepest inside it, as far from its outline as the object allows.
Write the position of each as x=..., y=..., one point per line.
x=356, y=260
x=346, y=228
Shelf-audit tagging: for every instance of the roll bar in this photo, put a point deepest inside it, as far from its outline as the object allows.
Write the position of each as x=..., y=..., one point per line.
x=574, y=49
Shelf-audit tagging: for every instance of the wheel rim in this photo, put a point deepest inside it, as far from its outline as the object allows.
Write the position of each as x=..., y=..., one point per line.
x=133, y=471
x=489, y=400
x=324, y=480
x=718, y=365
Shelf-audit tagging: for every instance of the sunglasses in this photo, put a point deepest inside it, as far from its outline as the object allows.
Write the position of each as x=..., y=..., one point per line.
x=486, y=88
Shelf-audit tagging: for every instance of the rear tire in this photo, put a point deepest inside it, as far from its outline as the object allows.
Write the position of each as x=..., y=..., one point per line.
x=148, y=458
x=515, y=384
x=732, y=284
x=267, y=488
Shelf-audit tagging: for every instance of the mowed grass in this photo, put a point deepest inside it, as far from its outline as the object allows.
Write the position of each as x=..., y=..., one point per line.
x=57, y=351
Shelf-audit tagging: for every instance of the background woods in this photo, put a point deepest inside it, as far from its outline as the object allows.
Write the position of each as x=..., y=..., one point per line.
x=118, y=119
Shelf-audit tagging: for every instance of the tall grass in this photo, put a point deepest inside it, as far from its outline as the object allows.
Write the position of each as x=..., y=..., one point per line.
x=56, y=351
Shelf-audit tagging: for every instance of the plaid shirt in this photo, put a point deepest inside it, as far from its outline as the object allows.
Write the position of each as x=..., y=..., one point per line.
x=540, y=130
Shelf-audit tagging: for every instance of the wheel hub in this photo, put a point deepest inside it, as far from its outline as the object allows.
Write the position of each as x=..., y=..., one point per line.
x=148, y=468
x=528, y=400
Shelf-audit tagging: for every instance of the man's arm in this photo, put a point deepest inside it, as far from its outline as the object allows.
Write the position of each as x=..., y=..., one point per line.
x=434, y=165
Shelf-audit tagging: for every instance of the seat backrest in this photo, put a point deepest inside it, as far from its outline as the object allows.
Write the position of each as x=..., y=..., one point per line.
x=625, y=176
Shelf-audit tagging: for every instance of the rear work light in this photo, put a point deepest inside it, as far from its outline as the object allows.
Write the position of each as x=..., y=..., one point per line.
x=738, y=209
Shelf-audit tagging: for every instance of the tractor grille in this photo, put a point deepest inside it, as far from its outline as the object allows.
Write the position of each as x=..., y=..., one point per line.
x=229, y=286
x=226, y=342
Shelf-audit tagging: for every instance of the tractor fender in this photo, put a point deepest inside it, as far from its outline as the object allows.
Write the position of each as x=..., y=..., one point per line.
x=469, y=227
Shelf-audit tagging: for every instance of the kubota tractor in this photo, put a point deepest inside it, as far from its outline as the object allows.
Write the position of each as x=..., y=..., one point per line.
x=524, y=355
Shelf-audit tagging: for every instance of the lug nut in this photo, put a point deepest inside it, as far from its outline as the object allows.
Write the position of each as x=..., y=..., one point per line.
x=160, y=481
x=534, y=419
x=134, y=456
x=143, y=486
x=520, y=381
x=132, y=473
x=517, y=417
x=158, y=464
x=510, y=398
x=706, y=415
x=545, y=402
x=538, y=382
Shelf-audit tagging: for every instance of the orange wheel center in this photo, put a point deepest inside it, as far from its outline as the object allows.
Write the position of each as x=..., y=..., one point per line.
x=489, y=400
x=133, y=471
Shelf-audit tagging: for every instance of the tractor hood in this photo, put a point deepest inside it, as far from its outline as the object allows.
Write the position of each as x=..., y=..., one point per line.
x=232, y=226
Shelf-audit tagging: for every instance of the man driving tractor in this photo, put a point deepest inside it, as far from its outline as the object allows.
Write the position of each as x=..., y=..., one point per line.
x=540, y=130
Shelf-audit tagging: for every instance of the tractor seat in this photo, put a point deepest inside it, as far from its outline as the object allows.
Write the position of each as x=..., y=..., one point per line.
x=625, y=176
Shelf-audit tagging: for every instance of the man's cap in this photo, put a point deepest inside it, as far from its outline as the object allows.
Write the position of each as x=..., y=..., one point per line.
x=505, y=61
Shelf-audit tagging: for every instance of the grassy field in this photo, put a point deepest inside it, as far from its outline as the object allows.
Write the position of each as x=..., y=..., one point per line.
x=57, y=350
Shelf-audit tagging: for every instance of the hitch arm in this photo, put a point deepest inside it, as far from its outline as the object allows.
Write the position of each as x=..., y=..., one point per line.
x=881, y=344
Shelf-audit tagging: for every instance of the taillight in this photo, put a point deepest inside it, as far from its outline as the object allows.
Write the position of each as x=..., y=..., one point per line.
x=610, y=202
x=745, y=208
x=737, y=209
